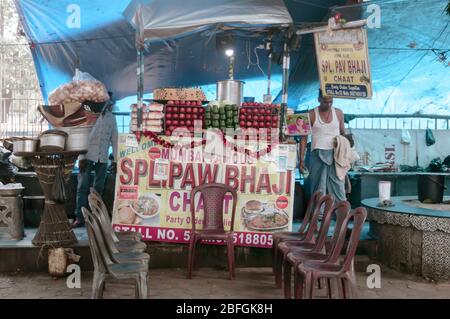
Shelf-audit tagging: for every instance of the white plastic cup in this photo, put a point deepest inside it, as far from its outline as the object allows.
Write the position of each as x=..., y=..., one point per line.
x=384, y=191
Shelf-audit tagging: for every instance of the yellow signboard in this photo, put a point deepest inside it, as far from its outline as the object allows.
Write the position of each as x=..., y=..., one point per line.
x=343, y=63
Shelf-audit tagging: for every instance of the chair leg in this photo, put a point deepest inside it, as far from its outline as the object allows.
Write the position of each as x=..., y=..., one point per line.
x=329, y=290
x=352, y=287
x=191, y=256
x=230, y=257
x=233, y=261
x=299, y=285
x=309, y=285
x=345, y=288
x=137, y=290
x=143, y=288
x=279, y=270
x=287, y=279
x=195, y=260
x=98, y=285
x=274, y=254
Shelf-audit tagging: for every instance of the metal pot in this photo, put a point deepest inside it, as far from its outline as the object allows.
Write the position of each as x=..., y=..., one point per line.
x=431, y=188
x=78, y=137
x=230, y=90
x=34, y=202
x=52, y=140
x=24, y=145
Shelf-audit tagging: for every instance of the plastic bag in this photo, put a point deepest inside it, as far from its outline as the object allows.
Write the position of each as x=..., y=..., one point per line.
x=83, y=76
x=437, y=166
x=59, y=187
x=83, y=87
x=406, y=137
x=429, y=137
x=447, y=161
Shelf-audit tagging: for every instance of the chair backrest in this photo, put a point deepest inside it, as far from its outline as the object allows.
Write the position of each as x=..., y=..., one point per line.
x=358, y=216
x=213, y=200
x=313, y=201
x=341, y=211
x=104, y=226
x=324, y=204
x=98, y=250
x=95, y=197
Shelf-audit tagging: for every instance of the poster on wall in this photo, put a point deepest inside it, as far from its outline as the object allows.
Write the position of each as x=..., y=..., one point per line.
x=153, y=186
x=343, y=63
x=298, y=124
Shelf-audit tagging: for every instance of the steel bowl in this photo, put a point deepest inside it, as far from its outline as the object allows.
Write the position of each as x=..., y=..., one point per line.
x=78, y=137
x=24, y=145
x=52, y=140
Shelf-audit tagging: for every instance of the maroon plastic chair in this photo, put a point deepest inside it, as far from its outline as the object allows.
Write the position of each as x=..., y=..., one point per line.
x=326, y=202
x=213, y=228
x=297, y=255
x=298, y=235
x=310, y=271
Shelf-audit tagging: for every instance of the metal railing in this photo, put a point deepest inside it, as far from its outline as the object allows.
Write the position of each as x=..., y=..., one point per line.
x=397, y=121
x=123, y=121
x=356, y=121
x=19, y=118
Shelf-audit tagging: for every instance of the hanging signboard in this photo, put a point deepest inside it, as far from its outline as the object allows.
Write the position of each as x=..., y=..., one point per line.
x=343, y=63
x=153, y=187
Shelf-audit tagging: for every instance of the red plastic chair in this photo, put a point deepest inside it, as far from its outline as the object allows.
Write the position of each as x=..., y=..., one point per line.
x=310, y=271
x=298, y=235
x=309, y=240
x=297, y=255
x=213, y=228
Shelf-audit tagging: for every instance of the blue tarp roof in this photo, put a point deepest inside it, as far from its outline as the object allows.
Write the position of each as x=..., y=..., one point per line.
x=407, y=75
x=104, y=46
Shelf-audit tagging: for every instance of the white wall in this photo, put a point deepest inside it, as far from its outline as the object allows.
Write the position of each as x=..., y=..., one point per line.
x=377, y=143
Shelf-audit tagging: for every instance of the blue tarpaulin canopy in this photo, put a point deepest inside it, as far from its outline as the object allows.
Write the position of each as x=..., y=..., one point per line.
x=407, y=53
x=409, y=57
x=103, y=44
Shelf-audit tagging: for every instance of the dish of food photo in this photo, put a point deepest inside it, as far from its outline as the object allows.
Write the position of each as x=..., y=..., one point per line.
x=269, y=221
x=253, y=207
x=126, y=215
x=147, y=206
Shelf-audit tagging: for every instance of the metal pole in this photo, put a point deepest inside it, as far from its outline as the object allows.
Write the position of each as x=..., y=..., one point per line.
x=269, y=72
x=140, y=93
x=284, y=97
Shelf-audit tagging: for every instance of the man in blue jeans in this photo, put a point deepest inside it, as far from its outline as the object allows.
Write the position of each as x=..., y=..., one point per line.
x=103, y=134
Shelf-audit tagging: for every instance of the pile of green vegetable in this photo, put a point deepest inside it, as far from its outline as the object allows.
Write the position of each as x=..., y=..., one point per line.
x=222, y=115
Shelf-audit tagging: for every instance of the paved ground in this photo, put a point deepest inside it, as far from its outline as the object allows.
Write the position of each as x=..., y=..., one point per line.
x=255, y=283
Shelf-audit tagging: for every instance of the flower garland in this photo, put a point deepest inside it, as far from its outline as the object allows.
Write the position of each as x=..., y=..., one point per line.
x=162, y=142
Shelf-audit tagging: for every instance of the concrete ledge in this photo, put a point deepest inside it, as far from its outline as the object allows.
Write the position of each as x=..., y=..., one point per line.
x=163, y=255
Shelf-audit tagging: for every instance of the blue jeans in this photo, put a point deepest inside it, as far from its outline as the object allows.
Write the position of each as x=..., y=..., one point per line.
x=84, y=182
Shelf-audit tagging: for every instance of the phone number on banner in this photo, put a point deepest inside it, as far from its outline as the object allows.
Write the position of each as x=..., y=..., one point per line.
x=173, y=235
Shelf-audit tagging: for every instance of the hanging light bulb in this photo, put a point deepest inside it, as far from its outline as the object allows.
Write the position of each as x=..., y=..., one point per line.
x=229, y=52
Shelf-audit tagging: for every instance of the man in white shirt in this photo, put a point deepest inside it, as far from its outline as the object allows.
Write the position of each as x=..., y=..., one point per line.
x=103, y=135
x=327, y=122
